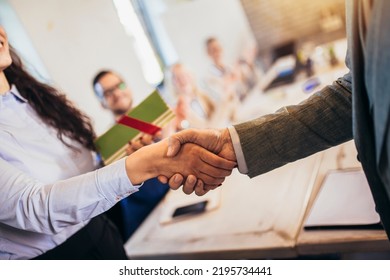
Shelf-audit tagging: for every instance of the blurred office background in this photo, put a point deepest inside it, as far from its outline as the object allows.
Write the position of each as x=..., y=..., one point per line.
x=296, y=47
x=67, y=42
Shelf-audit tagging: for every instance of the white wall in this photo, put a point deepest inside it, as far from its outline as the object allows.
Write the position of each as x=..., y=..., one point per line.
x=77, y=38
x=20, y=40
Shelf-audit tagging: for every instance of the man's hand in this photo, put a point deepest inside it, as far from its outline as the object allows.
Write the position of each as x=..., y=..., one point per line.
x=216, y=141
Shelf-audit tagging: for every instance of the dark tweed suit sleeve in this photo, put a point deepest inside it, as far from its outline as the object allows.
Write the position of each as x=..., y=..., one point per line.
x=294, y=132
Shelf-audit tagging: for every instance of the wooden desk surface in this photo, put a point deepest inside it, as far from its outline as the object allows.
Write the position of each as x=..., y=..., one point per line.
x=256, y=218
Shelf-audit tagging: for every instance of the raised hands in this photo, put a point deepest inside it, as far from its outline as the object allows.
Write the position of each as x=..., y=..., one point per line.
x=143, y=140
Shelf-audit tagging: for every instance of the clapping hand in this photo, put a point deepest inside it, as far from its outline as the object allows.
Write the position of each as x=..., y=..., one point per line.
x=143, y=140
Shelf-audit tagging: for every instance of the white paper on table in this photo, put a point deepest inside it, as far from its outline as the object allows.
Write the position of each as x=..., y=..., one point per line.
x=344, y=199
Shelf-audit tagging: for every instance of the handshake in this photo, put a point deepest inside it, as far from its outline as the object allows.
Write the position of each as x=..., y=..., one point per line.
x=200, y=160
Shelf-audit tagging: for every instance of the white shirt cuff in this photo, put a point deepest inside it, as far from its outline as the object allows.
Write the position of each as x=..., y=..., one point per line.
x=114, y=182
x=242, y=167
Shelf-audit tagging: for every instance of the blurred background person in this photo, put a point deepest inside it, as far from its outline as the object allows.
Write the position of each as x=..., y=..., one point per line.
x=115, y=95
x=194, y=108
x=222, y=81
x=227, y=81
x=249, y=72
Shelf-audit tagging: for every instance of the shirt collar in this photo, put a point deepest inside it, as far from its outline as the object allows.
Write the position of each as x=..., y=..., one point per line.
x=14, y=91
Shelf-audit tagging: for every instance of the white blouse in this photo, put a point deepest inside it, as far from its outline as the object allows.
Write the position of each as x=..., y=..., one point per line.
x=44, y=199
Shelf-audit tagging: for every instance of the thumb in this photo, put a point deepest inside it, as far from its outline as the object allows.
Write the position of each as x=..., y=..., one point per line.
x=173, y=146
x=176, y=140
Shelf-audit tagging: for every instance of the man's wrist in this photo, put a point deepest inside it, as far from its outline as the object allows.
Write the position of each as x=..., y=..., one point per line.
x=235, y=139
x=227, y=145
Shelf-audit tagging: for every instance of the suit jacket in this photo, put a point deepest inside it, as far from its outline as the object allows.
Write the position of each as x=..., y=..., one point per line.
x=356, y=105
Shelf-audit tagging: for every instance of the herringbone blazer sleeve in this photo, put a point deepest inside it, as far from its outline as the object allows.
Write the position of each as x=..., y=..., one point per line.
x=294, y=132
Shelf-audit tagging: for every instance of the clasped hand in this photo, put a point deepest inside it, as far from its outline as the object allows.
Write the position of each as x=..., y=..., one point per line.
x=215, y=141
x=200, y=160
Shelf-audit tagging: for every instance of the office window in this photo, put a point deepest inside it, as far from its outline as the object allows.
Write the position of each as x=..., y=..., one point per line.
x=152, y=13
x=144, y=50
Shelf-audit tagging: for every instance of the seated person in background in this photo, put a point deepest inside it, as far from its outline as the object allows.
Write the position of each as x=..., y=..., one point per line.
x=234, y=82
x=113, y=93
x=194, y=107
x=52, y=200
x=249, y=72
x=223, y=82
x=116, y=96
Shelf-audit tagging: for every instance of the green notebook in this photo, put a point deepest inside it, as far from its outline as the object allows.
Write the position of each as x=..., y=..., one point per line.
x=112, y=144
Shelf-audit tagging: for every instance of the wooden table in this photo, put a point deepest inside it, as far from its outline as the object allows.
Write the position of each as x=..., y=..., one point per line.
x=256, y=218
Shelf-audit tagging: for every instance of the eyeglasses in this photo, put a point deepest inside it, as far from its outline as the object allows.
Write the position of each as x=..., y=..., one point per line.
x=110, y=91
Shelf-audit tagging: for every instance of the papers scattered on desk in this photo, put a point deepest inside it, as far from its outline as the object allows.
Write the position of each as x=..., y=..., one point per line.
x=151, y=113
x=344, y=200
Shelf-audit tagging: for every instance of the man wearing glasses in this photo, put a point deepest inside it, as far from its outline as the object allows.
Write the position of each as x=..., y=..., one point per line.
x=113, y=93
x=116, y=96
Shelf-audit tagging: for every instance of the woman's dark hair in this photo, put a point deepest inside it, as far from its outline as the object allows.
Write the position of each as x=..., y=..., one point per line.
x=51, y=106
